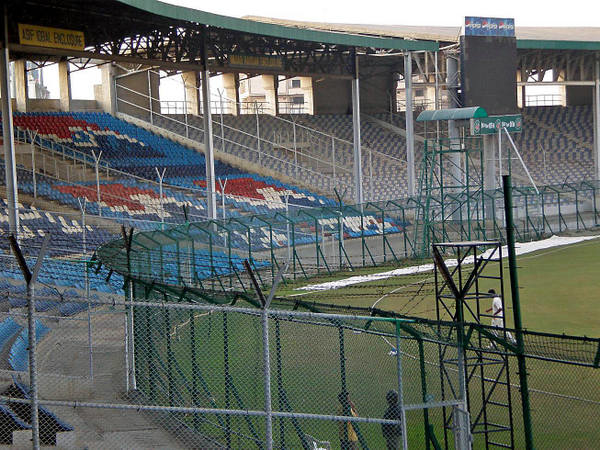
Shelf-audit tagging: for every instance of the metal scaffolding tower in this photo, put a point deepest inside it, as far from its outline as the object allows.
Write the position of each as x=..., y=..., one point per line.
x=462, y=288
x=452, y=191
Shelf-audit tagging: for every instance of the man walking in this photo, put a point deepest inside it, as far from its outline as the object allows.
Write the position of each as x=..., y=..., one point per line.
x=392, y=433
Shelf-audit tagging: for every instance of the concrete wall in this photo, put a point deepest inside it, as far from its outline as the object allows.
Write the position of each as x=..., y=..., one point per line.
x=377, y=84
x=53, y=104
x=375, y=92
x=580, y=95
x=21, y=94
x=332, y=96
x=133, y=92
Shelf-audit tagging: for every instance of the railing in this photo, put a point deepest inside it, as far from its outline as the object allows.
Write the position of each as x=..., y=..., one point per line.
x=263, y=144
x=331, y=154
x=544, y=100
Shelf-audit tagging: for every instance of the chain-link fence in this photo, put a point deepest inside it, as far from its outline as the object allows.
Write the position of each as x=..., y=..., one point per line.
x=157, y=373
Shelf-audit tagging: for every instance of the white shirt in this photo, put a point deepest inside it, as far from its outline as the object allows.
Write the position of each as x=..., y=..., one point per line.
x=498, y=311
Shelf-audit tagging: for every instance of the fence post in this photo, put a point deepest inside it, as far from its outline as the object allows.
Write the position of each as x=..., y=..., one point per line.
x=400, y=387
x=96, y=163
x=223, y=185
x=30, y=278
x=267, y=377
x=265, y=302
x=161, y=176
x=82, y=205
x=257, y=133
x=333, y=157
x=514, y=290
x=32, y=135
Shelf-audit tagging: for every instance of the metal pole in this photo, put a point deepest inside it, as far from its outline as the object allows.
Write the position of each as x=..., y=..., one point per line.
x=514, y=290
x=295, y=149
x=371, y=175
x=32, y=135
x=150, y=98
x=161, y=176
x=267, y=379
x=437, y=93
x=82, y=204
x=257, y=132
x=223, y=185
x=185, y=109
x=500, y=152
x=208, y=146
x=30, y=279
x=333, y=156
x=96, y=163
x=33, y=392
x=126, y=352
x=597, y=117
x=358, y=195
x=400, y=387
x=410, y=130
x=12, y=197
x=222, y=127
x=287, y=225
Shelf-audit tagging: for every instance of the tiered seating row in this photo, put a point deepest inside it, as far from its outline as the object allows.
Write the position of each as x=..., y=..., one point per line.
x=19, y=352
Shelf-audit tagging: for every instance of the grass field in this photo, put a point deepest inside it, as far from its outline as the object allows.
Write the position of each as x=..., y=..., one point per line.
x=559, y=293
x=559, y=289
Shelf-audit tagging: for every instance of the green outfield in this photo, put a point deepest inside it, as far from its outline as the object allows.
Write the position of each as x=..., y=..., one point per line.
x=559, y=293
x=559, y=288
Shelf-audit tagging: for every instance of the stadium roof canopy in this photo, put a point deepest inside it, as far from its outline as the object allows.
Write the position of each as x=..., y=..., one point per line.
x=544, y=38
x=155, y=33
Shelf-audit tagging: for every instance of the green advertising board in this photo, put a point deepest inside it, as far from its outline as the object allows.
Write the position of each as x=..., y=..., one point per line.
x=492, y=124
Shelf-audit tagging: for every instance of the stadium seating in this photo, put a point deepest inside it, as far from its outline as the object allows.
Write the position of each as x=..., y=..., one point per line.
x=133, y=150
x=8, y=330
x=556, y=143
x=19, y=352
x=10, y=422
x=35, y=224
x=50, y=423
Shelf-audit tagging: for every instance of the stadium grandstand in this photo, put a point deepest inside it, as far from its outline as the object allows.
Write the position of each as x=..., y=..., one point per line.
x=215, y=157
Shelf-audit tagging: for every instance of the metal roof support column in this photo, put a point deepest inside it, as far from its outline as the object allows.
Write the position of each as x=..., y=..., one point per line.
x=8, y=135
x=456, y=171
x=358, y=194
x=597, y=118
x=208, y=139
x=410, y=127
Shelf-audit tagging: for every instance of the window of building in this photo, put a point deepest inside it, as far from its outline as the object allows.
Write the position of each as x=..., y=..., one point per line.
x=298, y=100
x=295, y=83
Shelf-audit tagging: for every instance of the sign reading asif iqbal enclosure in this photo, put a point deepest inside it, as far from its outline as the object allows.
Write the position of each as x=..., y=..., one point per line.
x=492, y=124
x=51, y=37
x=271, y=62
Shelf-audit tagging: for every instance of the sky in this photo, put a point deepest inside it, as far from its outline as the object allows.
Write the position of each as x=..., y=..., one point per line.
x=384, y=12
x=407, y=12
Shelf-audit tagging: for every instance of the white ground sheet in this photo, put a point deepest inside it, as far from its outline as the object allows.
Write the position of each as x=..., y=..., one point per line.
x=521, y=248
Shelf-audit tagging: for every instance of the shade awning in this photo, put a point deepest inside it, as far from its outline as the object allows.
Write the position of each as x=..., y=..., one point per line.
x=473, y=112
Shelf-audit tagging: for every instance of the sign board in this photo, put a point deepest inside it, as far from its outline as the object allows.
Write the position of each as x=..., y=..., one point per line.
x=51, y=37
x=492, y=124
x=267, y=62
x=489, y=26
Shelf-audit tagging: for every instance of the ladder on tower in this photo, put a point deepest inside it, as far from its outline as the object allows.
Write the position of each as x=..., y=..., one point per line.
x=486, y=363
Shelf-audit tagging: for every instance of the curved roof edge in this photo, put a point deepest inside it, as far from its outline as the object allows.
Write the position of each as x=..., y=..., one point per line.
x=472, y=112
x=539, y=44
x=278, y=31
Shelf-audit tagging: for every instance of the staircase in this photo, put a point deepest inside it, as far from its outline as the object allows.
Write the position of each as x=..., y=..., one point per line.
x=52, y=163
